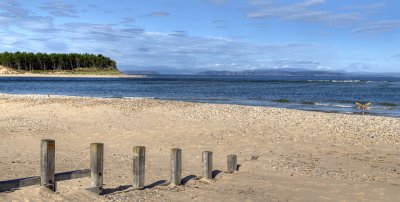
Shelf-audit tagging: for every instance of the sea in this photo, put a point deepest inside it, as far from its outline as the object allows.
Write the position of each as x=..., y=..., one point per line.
x=326, y=94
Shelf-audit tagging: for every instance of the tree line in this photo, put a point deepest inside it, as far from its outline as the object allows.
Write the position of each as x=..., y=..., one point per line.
x=24, y=61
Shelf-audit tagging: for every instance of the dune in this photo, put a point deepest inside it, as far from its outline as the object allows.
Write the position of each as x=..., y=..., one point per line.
x=8, y=72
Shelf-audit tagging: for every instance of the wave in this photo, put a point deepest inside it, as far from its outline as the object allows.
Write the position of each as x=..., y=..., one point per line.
x=388, y=104
x=208, y=98
x=313, y=103
x=377, y=81
x=281, y=101
x=346, y=81
x=138, y=98
x=308, y=103
x=378, y=106
x=323, y=104
x=334, y=105
x=342, y=106
x=337, y=81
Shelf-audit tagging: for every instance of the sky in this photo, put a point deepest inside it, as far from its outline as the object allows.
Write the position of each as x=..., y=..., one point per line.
x=196, y=35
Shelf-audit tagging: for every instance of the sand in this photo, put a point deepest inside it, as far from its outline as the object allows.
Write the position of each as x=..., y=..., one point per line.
x=285, y=155
x=8, y=72
x=5, y=71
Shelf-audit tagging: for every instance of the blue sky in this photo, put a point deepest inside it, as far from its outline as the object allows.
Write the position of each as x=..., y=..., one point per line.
x=234, y=35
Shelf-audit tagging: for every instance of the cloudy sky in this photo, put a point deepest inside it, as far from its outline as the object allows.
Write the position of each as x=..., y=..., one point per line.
x=349, y=35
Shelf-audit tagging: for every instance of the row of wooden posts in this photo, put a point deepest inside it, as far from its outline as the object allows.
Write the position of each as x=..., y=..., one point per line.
x=48, y=178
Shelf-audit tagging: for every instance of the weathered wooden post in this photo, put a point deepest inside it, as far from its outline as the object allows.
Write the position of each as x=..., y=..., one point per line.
x=96, y=167
x=176, y=166
x=139, y=153
x=207, y=164
x=232, y=163
x=47, y=164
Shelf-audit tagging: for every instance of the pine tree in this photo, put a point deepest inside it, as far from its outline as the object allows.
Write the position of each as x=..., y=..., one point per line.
x=54, y=61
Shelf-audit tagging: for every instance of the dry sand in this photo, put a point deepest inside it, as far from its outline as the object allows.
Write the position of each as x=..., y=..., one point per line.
x=55, y=75
x=8, y=72
x=302, y=156
x=5, y=71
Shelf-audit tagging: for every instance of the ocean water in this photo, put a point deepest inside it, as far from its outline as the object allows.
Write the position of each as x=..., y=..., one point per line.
x=305, y=93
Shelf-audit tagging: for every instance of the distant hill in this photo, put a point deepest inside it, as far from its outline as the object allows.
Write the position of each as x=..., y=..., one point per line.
x=141, y=72
x=274, y=73
x=159, y=69
x=155, y=70
x=369, y=74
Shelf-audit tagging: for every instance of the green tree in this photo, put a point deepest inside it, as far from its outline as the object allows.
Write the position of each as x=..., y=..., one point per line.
x=54, y=61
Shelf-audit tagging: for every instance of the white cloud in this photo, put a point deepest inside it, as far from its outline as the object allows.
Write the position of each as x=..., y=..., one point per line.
x=379, y=26
x=301, y=12
x=60, y=9
x=23, y=30
x=36, y=23
x=12, y=13
x=158, y=14
x=127, y=20
x=359, y=66
x=368, y=7
x=178, y=49
x=311, y=3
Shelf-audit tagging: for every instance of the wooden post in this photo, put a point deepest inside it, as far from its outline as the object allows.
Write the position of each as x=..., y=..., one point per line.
x=207, y=164
x=18, y=183
x=139, y=153
x=47, y=164
x=30, y=181
x=232, y=163
x=176, y=166
x=70, y=175
x=96, y=167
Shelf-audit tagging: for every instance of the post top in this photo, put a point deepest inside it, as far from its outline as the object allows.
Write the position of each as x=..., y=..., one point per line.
x=97, y=143
x=47, y=140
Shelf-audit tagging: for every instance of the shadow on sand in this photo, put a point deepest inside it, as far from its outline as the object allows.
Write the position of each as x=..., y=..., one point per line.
x=184, y=181
x=117, y=189
x=127, y=188
x=158, y=183
x=215, y=173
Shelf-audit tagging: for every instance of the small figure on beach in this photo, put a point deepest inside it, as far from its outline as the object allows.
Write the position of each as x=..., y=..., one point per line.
x=363, y=107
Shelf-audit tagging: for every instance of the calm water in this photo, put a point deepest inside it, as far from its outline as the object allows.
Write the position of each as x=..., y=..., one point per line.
x=326, y=94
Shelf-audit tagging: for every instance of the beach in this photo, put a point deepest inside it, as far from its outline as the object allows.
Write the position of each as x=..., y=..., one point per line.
x=8, y=72
x=284, y=154
x=50, y=75
x=64, y=75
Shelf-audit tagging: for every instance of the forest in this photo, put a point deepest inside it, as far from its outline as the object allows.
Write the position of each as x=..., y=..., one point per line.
x=23, y=61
